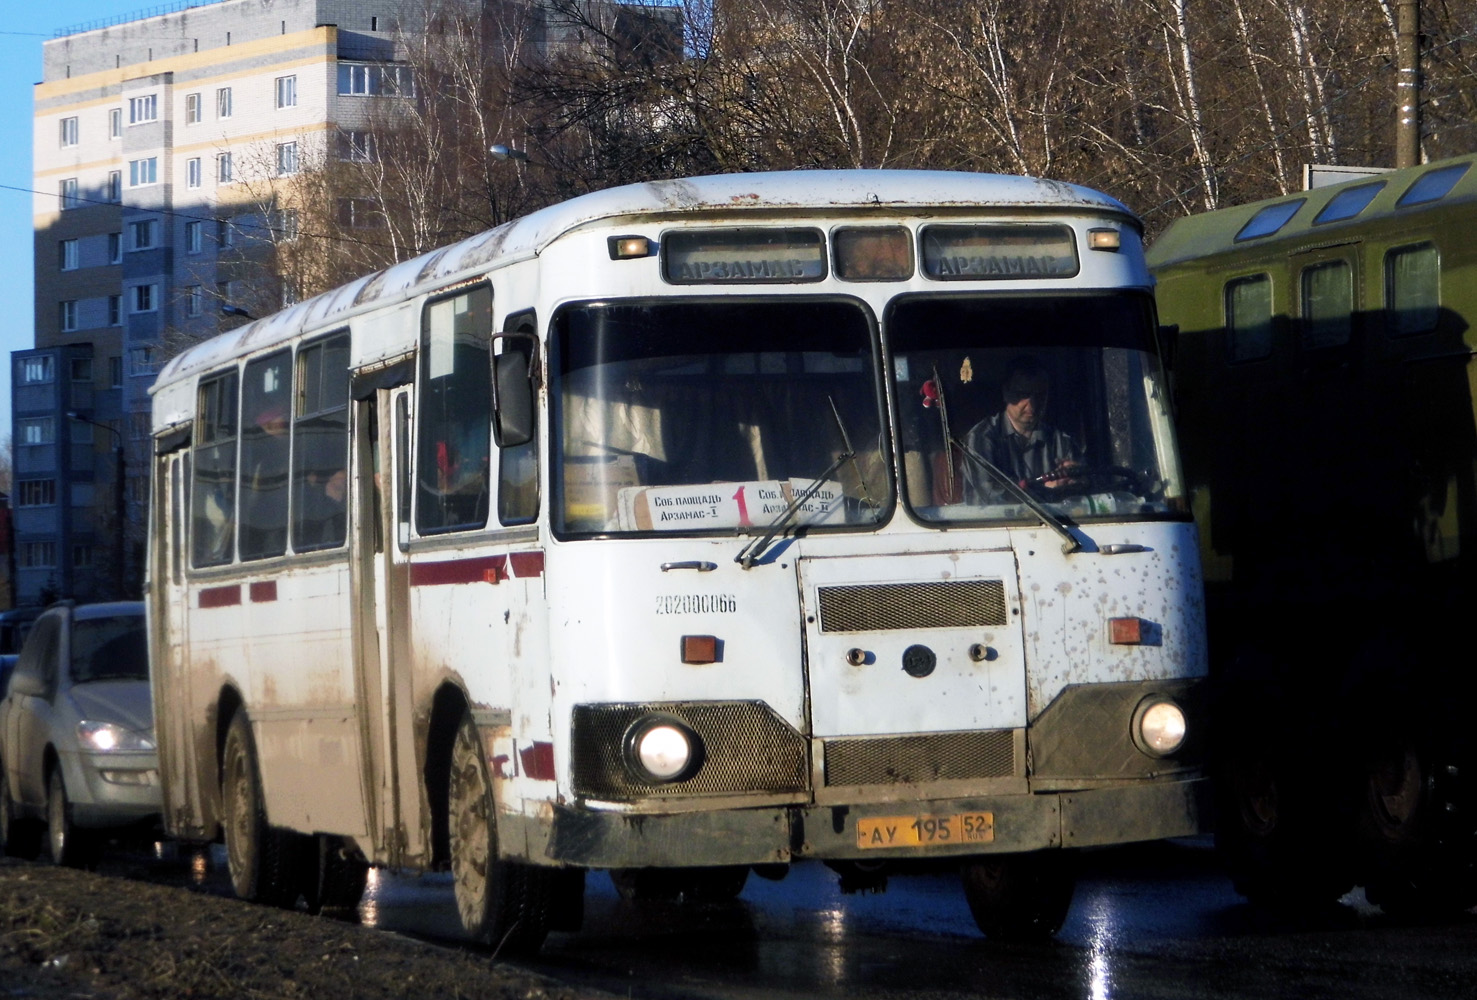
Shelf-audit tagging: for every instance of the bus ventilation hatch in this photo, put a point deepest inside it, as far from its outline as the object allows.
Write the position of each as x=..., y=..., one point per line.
x=888, y=606
x=934, y=757
x=747, y=748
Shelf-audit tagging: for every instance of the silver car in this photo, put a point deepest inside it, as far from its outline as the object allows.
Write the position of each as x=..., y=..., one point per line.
x=77, y=753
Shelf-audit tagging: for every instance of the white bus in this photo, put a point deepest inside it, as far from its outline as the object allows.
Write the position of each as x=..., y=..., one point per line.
x=684, y=530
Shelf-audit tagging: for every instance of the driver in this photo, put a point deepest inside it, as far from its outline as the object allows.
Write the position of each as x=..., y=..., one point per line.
x=1018, y=440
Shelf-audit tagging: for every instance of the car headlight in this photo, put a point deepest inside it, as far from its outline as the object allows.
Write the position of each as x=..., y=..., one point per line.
x=661, y=749
x=1158, y=726
x=106, y=737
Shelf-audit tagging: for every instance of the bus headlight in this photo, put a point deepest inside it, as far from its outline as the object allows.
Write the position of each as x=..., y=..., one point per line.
x=661, y=749
x=1158, y=726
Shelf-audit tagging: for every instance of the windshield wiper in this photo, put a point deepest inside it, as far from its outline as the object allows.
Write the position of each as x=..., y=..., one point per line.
x=750, y=553
x=1071, y=544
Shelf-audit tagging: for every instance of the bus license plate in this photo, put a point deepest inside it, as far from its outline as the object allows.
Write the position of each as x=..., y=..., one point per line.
x=925, y=831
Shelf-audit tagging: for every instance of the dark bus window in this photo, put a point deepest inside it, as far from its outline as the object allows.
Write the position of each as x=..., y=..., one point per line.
x=454, y=410
x=1249, y=318
x=213, y=496
x=1432, y=185
x=1328, y=304
x=873, y=253
x=517, y=488
x=266, y=408
x=1412, y=289
x=320, y=445
x=1269, y=220
x=1348, y=203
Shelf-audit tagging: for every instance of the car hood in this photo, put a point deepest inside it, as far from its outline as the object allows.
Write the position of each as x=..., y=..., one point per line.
x=124, y=703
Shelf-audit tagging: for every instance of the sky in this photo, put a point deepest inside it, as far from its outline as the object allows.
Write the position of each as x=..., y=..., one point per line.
x=25, y=28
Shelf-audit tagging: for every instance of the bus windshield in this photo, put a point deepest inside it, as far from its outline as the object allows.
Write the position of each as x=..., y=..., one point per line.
x=1059, y=398
x=715, y=415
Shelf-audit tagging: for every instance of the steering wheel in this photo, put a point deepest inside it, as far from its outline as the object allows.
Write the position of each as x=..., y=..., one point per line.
x=1079, y=480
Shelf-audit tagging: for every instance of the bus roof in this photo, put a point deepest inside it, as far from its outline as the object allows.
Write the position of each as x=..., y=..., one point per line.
x=1314, y=215
x=755, y=193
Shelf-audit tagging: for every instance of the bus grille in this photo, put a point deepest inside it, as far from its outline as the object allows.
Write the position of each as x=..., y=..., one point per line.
x=886, y=606
x=936, y=757
x=748, y=748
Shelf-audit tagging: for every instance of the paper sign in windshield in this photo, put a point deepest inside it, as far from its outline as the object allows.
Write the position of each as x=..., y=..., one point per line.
x=727, y=506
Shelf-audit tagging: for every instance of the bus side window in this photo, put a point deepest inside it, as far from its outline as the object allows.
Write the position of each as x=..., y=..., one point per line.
x=213, y=496
x=402, y=472
x=454, y=413
x=518, y=482
x=266, y=406
x=320, y=445
x=1249, y=318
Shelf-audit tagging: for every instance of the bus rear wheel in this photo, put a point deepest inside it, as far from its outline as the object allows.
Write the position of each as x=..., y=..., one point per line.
x=502, y=904
x=1019, y=897
x=258, y=857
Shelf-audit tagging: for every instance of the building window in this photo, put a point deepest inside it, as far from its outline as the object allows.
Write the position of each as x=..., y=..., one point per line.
x=143, y=109
x=223, y=168
x=81, y=556
x=356, y=147
x=67, y=254
x=141, y=361
x=38, y=493
x=115, y=248
x=115, y=371
x=227, y=237
x=144, y=298
x=115, y=186
x=194, y=299
x=373, y=80
x=36, y=430
x=142, y=173
x=192, y=109
x=192, y=237
x=359, y=213
x=286, y=91
x=286, y=225
x=115, y=123
x=69, y=131
x=81, y=369
x=37, y=369
x=144, y=234
x=115, y=310
x=286, y=158
x=68, y=315
x=192, y=172
x=138, y=425
x=38, y=555
x=68, y=192
x=223, y=102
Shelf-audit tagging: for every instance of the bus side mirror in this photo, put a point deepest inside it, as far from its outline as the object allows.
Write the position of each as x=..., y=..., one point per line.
x=512, y=400
x=1169, y=343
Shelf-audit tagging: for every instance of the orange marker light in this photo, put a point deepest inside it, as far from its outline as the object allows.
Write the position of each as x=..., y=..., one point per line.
x=699, y=649
x=1125, y=631
x=1104, y=239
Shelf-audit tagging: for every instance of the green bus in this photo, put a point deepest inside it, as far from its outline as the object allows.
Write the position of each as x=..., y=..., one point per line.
x=1323, y=365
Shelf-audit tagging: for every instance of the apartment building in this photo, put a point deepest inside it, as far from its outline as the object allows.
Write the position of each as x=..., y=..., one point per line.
x=153, y=137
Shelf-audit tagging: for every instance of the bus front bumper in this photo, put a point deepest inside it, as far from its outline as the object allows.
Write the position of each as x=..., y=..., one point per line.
x=1118, y=814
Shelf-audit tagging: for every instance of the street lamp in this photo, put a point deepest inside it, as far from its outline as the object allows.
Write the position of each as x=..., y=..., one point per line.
x=121, y=512
x=501, y=152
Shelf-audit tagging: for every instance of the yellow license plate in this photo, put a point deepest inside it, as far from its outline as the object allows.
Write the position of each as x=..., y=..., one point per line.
x=925, y=831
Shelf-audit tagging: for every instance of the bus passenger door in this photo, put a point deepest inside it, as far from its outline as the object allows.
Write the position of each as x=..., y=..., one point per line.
x=381, y=622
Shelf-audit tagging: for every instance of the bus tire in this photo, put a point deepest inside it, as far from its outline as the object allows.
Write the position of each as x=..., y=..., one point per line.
x=337, y=880
x=502, y=904
x=1413, y=867
x=258, y=858
x=1019, y=897
x=19, y=838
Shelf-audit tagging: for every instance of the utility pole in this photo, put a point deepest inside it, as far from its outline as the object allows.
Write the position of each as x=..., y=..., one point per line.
x=1408, y=84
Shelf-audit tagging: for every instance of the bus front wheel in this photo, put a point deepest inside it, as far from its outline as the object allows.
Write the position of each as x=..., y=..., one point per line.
x=502, y=903
x=1019, y=897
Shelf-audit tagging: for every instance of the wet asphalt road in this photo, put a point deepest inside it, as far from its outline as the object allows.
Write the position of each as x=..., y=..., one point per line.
x=1147, y=922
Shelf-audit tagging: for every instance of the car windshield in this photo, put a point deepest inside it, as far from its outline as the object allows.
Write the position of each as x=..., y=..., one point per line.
x=109, y=649
x=1058, y=398
x=717, y=415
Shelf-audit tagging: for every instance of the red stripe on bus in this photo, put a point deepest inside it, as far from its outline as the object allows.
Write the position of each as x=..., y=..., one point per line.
x=433, y=574
x=485, y=569
x=538, y=761
x=527, y=564
x=220, y=597
x=263, y=591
